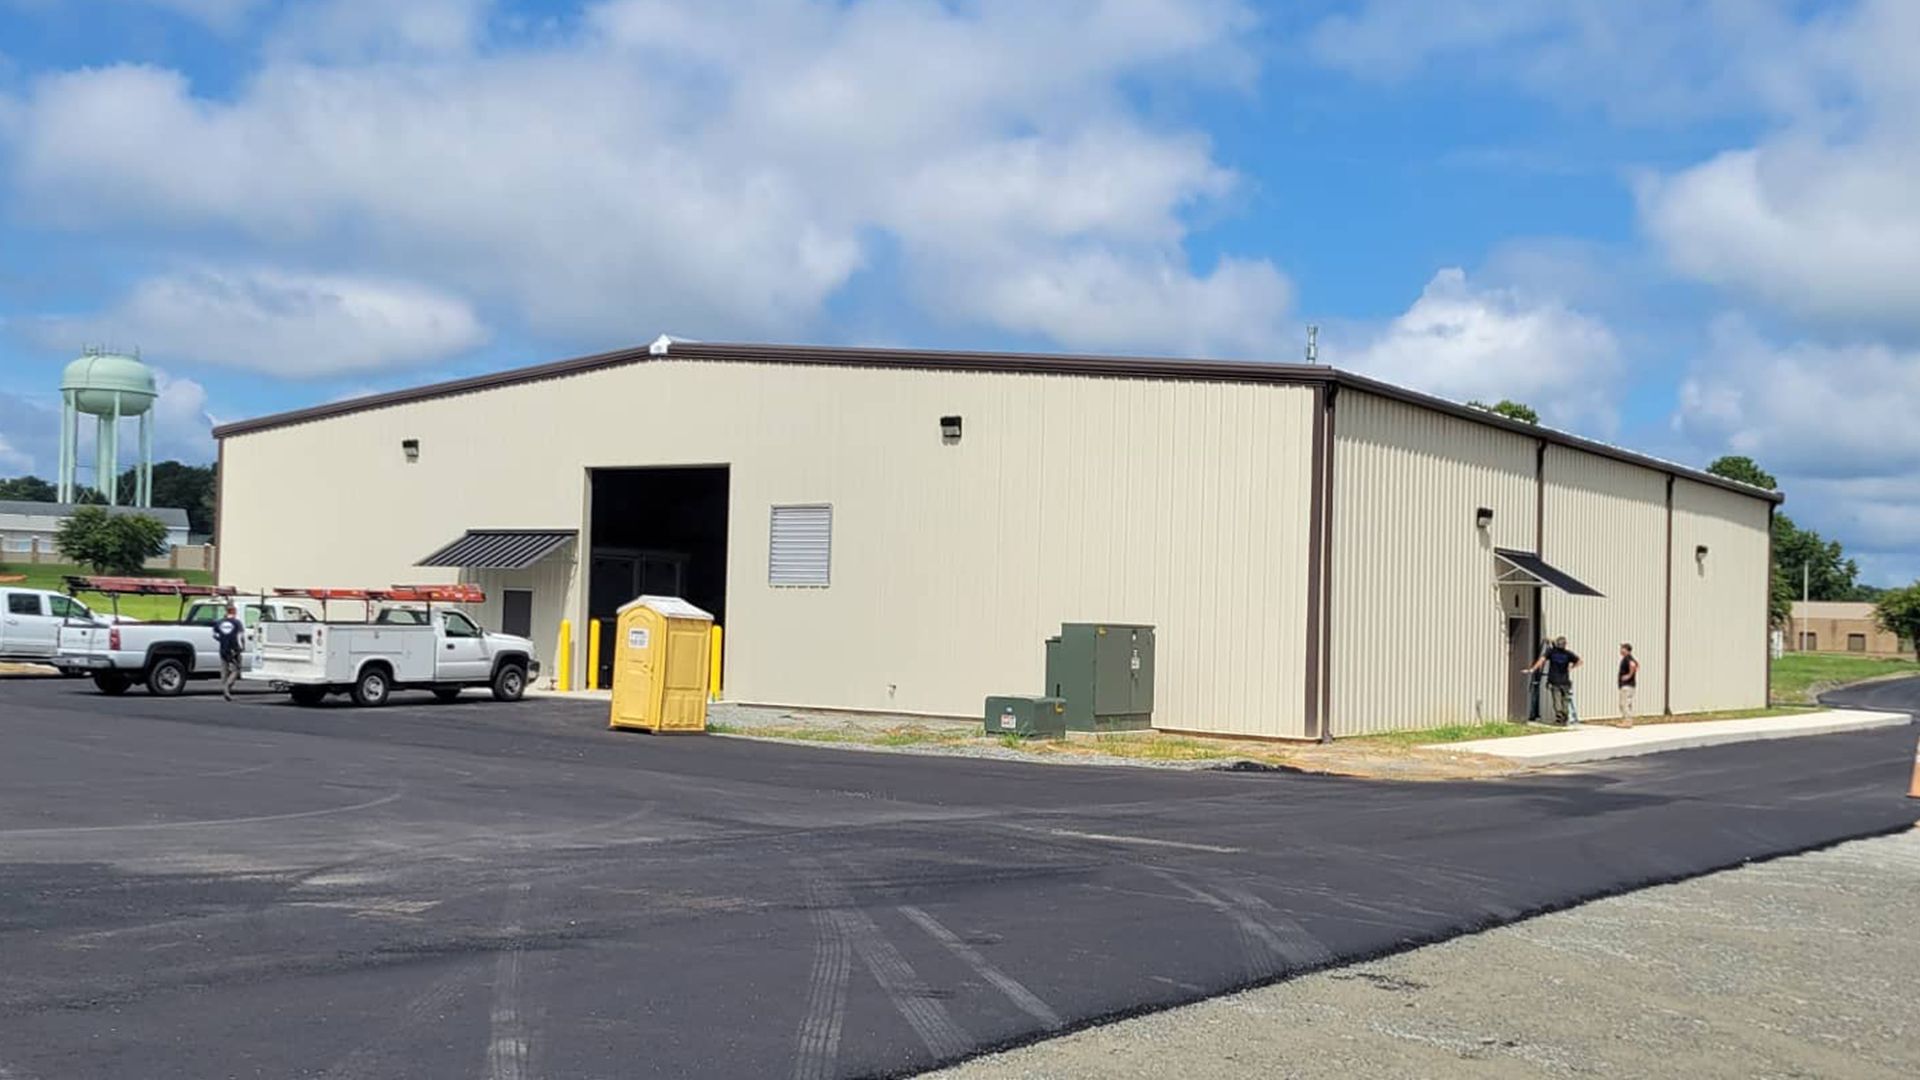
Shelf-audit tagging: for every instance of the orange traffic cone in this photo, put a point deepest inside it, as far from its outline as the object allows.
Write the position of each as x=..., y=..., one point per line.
x=1913, y=789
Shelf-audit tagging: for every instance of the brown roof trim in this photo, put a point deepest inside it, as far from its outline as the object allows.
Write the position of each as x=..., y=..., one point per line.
x=1099, y=366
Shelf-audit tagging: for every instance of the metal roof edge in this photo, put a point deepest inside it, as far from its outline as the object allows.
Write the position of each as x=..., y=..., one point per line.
x=1096, y=365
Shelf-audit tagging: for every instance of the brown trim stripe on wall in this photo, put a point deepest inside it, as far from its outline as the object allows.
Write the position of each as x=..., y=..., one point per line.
x=1316, y=516
x=1326, y=589
x=1666, y=662
x=1766, y=621
x=219, y=505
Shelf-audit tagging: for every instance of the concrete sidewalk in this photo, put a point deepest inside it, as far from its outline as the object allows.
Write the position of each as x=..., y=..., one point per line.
x=1599, y=742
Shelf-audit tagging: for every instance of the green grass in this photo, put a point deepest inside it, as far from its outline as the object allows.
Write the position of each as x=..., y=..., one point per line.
x=148, y=608
x=909, y=735
x=1163, y=748
x=1499, y=729
x=1801, y=677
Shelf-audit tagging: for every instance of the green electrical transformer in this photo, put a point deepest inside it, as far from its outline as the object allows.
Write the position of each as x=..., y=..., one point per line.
x=1104, y=673
x=1028, y=717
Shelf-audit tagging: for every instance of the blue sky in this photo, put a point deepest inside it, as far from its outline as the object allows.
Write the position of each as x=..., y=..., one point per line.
x=1687, y=227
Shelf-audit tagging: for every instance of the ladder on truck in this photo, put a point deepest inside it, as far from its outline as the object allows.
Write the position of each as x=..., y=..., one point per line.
x=113, y=588
x=397, y=594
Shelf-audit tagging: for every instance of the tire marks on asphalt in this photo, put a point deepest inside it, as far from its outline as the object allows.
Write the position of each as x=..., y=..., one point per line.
x=1027, y=1000
x=1272, y=942
x=508, y=1043
x=840, y=925
x=817, y=1046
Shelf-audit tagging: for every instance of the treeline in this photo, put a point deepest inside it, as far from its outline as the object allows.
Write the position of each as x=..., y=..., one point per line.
x=183, y=487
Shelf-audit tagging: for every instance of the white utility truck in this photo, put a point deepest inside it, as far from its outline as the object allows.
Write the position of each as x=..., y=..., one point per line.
x=403, y=643
x=164, y=656
x=30, y=621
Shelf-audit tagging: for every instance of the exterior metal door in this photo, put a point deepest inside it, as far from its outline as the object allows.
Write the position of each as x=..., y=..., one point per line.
x=1519, y=657
x=516, y=612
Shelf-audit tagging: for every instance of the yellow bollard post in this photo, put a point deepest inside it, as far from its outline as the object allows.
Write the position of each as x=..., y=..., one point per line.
x=713, y=663
x=563, y=658
x=593, y=654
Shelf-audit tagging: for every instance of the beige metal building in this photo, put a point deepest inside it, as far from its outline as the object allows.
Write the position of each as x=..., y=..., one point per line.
x=1322, y=554
x=1840, y=626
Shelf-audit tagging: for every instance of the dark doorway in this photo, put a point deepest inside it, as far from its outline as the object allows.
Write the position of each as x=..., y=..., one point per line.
x=660, y=532
x=1521, y=706
x=516, y=612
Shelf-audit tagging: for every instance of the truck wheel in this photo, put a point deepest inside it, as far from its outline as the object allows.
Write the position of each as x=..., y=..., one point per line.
x=447, y=693
x=509, y=683
x=372, y=688
x=309, y=696
x=111, y=683
x=167, y=677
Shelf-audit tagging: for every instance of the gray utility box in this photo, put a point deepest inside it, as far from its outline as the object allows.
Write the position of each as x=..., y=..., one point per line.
x=1041, y=717
x=1104, y=671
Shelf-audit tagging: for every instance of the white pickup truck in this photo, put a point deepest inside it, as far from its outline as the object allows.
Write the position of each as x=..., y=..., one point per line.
x=30, y=621
x=400, y=648
x=165, y=656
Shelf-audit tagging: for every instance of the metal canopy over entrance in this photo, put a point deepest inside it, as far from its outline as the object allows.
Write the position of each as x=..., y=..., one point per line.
x=1526, y=569
x=500, y=549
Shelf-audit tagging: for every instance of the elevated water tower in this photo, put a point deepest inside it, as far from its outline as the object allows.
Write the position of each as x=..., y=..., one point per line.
x=109, y=387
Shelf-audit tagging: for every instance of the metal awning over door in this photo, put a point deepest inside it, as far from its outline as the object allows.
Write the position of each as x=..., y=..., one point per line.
x=500, y=549
x=1524, y=568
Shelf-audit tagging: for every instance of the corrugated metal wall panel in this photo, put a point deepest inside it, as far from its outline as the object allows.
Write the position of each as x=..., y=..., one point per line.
x=1178, y=504
x=1719, y=604
x=1417, y=635
x=1606, y=524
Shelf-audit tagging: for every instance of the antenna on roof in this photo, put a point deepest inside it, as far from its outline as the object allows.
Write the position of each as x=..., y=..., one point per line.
x=1313, y=344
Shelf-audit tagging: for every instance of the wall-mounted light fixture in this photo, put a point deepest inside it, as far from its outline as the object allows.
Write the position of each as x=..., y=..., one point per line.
x=1700, y=554
x=949, y=429
x=411, y=448
x=1483, y=517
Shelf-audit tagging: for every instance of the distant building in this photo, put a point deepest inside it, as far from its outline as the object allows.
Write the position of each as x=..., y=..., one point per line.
x=29, y=526
x=1834, y=626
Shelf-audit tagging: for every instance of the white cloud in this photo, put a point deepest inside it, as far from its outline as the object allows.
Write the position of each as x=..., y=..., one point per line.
x=347, y=29
x=1834, y=421
x=1655, y=61
x=292, y=325
x=722, y=168
x=1806, y=408
x=1821, y=216
x=1466, y=342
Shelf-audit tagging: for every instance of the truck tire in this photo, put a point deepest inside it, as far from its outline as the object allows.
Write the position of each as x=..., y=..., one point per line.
x=309, y=696
x=510, y=682
x=372, y=688
x=167, y=677
x=447, y=694
x=111, y=683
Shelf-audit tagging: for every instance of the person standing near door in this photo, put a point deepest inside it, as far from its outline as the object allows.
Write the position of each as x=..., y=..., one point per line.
x=229, y=632
x=1559, y=662
x=1629, y=679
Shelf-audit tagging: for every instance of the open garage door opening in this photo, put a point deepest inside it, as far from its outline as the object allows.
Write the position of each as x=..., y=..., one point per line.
x=656, y=532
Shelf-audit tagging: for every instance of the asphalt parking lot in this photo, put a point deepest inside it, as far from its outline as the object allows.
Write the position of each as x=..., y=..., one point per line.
x=193, y=888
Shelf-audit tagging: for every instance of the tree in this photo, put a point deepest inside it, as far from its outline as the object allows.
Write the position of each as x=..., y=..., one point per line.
x=185, y=487
x=1898, y=612
x=110, y=543
x=1803, y=556
x=1744, y=470
x=1512, y=410
x=28, y=489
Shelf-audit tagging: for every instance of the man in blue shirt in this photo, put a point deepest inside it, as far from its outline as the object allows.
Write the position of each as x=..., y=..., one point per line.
x=231, y=633
x=1559, y=662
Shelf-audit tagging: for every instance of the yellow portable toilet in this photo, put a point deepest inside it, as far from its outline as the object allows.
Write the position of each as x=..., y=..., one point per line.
x=660, y=666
